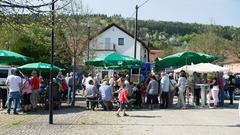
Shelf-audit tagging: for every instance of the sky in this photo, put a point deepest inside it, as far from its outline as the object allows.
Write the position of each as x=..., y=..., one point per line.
x=219, y=12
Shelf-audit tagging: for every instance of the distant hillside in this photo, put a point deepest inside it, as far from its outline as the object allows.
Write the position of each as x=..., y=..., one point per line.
x=173, y=36
x=20, y=32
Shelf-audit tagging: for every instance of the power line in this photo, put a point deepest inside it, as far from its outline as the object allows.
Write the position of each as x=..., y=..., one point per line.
x=133, y=14
x=139, y=7
x=143, y=3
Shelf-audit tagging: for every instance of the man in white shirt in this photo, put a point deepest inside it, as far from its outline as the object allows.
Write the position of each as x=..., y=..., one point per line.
x=14, y=84
x=165, y=89
x=106, y=95
x=88, y=79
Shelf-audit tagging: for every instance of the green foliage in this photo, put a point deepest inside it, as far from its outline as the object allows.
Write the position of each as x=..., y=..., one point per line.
x=30, y=34
x=209, y=43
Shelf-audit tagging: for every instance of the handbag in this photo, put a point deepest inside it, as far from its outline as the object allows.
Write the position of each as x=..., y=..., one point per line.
x=175, y=89
x=63, y=86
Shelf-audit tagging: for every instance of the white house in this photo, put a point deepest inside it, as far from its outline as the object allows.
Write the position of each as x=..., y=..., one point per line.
x=113, y=38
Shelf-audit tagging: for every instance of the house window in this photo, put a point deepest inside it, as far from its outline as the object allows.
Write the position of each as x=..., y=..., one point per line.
x=107, y=43
x=120, y=41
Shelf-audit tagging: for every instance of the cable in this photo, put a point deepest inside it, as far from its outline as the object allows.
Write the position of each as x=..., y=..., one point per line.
x=139, y=7
x=133, y=14
x=143, y=3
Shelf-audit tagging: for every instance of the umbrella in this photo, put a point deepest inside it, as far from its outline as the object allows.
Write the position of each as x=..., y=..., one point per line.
x=185, y=68
x=185, y=58
x=12, y=57
x=114, y=60
x=41, y=67
x=206, y=68
x=158, y=59
x=202, y=68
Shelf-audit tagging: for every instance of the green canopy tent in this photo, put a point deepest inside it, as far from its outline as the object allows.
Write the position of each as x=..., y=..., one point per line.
x=9, y=57
x=185, y=58
x=114, y=61
x=41, y=67
x=157, y=60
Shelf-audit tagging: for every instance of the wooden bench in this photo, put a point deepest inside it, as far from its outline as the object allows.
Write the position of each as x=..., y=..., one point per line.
x=130, y=103
x=98, y=101
x=92, y=101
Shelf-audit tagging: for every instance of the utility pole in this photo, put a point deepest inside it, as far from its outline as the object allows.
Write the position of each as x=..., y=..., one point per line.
x=88, y=42
x=50, y=98
x=135, y=37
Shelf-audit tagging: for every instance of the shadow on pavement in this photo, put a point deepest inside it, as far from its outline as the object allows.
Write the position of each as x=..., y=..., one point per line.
x=144, y=116
x=150, y=125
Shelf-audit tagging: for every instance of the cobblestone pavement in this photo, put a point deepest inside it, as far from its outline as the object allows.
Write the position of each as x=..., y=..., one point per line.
x=10, y=121
x=63, y=119
x=143, y=122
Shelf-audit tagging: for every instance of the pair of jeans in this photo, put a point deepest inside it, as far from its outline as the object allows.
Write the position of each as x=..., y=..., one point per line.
x=221, y=97
x=70, y=94
x=230, y=91
x=165, y=97
x=16, y=97
x=197, y=92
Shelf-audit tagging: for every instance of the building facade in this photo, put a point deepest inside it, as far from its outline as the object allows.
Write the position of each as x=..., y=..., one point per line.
x=113, y=38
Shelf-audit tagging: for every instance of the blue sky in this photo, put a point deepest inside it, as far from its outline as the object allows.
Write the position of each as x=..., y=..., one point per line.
x=220, y=12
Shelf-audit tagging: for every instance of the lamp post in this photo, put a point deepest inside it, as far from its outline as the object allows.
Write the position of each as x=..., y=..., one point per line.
x=135, y=36
x=50, y=98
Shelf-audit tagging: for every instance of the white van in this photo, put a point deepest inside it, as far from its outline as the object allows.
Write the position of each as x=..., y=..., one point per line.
x=4, y=72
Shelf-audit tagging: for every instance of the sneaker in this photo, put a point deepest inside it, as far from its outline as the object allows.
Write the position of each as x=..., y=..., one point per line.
x=125, y=114
x=118, y=115
x=8, y=112
x=15, y=113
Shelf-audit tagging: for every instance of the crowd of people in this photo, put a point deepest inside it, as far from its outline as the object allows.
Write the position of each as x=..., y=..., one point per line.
x=161, y=89
x=24, y=91
x=154, y=91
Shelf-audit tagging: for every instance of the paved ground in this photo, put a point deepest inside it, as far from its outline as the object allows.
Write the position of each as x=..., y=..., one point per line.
x=140, y=122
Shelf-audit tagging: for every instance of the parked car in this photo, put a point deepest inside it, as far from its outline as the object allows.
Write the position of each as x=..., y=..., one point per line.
x=4, y=72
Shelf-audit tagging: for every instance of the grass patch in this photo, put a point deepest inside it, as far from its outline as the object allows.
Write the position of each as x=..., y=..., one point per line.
x=11, y=121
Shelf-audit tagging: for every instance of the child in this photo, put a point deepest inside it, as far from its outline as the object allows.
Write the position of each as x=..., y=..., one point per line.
x=122, y=100
x=143, y=92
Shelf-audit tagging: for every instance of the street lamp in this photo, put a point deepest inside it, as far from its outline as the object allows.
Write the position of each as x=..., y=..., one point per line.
x=50, y=98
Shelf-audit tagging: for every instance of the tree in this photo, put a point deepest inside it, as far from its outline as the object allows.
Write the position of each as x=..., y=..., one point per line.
x=75, y=24
x=209, y=43
x=234, y=47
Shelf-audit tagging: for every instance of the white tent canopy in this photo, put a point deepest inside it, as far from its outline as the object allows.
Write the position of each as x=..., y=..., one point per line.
x=185, y=68
x=203, y=68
